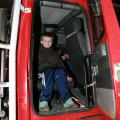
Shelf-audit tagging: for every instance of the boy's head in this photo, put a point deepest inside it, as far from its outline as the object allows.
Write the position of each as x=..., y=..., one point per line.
x=46, y=39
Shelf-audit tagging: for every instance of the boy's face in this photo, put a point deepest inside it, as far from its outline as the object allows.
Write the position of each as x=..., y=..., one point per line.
x=46, y=41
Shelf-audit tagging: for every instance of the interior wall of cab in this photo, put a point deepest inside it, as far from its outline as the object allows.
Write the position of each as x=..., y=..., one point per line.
x=68, y=22
x=76, y=44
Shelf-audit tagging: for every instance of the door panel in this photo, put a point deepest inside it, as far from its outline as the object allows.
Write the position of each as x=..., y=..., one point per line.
x=106, y=35
x=104, y=85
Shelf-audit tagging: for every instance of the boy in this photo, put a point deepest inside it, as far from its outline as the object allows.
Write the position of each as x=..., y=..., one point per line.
x=51, y=67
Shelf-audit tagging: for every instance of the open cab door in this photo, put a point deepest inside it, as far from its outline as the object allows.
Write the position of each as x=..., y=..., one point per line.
x=106, y=58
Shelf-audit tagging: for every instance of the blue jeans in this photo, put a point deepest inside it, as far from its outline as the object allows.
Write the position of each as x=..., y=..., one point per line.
x=59, y=75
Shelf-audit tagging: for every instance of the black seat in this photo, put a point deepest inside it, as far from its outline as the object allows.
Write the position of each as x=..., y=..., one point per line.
x=76, y=47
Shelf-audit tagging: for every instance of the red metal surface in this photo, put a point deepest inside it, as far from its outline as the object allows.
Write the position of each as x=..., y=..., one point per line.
x=23, y=98
x=93, y=114
x=24, y=109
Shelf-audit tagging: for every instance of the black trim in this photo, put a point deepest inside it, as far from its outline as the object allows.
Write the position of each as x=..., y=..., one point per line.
x=50, y=26
x=89, y=90
x=96, y=41
x=35, y=36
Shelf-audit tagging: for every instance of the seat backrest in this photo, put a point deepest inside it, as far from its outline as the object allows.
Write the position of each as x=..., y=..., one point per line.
x=76, y=46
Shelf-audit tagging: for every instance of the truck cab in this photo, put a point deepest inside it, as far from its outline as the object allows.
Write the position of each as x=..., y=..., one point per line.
x=88, y=30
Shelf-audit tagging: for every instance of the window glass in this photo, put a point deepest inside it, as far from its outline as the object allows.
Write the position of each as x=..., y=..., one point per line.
x=97, y=19
x=116, y=4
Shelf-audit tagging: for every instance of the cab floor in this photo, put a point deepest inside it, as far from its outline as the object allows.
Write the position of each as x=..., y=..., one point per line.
x=56, y=106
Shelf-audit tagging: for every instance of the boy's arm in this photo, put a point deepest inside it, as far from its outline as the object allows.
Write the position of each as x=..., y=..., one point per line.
x=61, y=64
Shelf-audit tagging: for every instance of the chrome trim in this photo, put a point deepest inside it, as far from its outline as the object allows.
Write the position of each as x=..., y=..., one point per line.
x=106, y=101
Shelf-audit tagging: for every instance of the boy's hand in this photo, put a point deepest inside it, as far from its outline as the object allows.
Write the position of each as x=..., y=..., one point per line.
x=69, y=79
x=66, y=56
x=63, y=57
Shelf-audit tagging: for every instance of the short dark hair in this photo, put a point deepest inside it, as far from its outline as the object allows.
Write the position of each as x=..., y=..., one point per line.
x=47, y=34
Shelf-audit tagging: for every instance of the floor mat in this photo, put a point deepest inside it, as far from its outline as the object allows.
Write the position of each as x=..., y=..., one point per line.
x=57, y=107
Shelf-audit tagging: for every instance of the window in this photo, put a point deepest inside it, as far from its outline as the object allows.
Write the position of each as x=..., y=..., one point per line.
x=116, y=4
x=5, y=15
x=5, y=34
x=97, y=20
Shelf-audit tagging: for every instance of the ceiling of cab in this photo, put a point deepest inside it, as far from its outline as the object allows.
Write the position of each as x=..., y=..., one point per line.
x=6, y=3
x=51, y=15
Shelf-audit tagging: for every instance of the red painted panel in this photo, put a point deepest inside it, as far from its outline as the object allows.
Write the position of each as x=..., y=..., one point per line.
x=97, y=117
x=23, y=98
x=67, y=116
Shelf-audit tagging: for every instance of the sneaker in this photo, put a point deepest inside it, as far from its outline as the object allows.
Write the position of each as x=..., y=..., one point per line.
x=43, y=106
x=70, y=104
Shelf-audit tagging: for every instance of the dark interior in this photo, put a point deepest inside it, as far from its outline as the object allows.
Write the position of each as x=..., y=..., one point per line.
x=68, y=23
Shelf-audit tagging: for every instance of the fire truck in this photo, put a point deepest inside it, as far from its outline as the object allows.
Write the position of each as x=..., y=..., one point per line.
x=88, y=29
